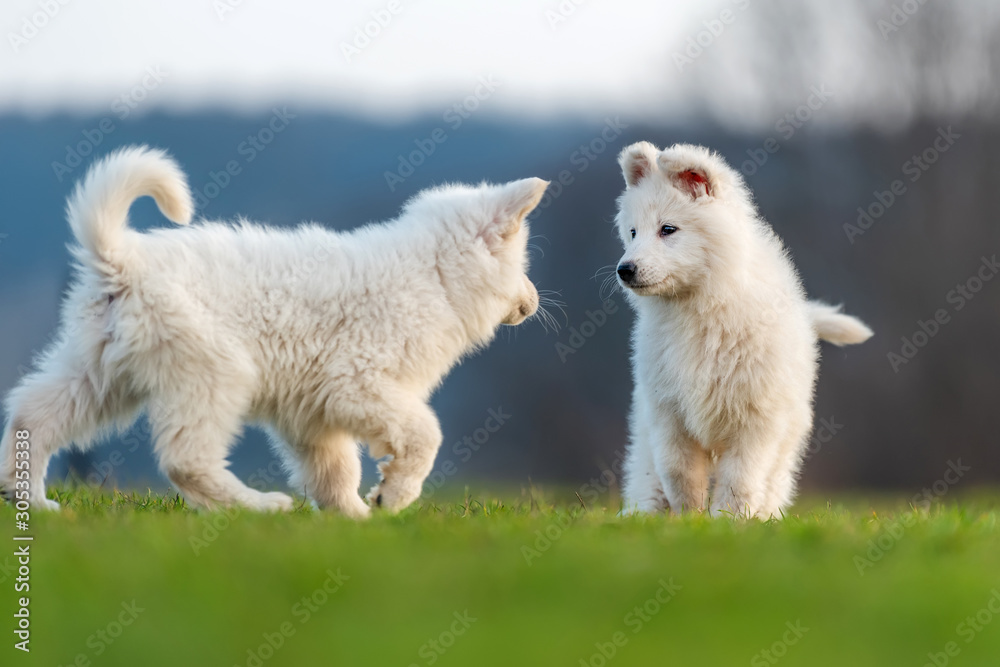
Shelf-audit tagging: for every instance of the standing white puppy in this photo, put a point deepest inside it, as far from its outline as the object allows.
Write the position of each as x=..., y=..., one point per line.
x=328, y=338
x=725, y=343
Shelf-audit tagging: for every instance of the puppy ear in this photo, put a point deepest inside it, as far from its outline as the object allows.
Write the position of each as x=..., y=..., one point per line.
x=637, y=161
x=517, y=200
x=687, y=173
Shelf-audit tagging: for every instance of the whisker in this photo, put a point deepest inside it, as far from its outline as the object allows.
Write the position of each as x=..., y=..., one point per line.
x=609, y=287
x=544, y=317
x=559, y=305
x=610, y=268
x=548, y=321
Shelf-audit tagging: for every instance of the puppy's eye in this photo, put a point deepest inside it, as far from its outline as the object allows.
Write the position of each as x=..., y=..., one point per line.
x=632, y=232
x=667, y=230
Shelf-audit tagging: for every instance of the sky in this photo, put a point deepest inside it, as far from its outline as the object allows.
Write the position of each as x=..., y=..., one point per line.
x=548, y=57
x=738, y=61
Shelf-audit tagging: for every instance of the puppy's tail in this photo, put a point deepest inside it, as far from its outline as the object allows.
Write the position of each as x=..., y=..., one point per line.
x=833, y=326
x=98, y=208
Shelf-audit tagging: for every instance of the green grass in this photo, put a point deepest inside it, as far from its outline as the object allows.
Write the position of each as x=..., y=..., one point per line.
x=211, y=586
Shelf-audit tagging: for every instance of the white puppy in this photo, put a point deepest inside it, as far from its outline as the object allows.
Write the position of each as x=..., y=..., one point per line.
x=725, y=343
x=328, y=338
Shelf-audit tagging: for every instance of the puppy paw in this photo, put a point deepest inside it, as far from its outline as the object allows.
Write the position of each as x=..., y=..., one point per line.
x=374, y=497
x=38, y=503
x=394, y=494
x=358, y=511
x=274, y=501
x=45, y=504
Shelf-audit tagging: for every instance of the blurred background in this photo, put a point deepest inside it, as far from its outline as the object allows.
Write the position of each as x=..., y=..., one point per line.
x=865, y=129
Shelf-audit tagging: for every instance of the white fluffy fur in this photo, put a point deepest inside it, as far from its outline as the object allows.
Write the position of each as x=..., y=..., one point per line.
x=725, y=343
x=328, y=338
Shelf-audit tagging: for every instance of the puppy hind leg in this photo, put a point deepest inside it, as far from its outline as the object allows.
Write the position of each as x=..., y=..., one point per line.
x=192, y=446
x=783, y=478
x=52, y=408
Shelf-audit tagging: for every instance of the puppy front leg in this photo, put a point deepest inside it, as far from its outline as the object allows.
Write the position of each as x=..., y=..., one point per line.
x=682, y=465
x=741, y=478
x=642, y=490
x=411, y=434
x=328, y=467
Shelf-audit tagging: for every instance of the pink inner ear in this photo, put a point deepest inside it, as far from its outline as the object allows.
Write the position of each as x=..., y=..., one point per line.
x=638, y=170
x=695, y=183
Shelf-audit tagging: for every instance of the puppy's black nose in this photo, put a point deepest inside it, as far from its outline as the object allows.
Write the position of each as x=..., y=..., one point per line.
x=626, y=271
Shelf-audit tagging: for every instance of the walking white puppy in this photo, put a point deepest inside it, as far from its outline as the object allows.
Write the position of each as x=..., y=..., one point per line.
x=328, y=338
x=725, y=343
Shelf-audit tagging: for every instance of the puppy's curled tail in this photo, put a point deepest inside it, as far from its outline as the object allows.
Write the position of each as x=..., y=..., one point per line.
x=833, y=326
x=98, y=208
